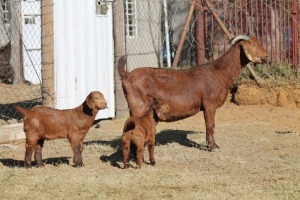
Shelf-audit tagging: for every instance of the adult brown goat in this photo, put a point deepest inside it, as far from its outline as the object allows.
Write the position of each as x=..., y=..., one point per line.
x=177, y=94
x=44, y=123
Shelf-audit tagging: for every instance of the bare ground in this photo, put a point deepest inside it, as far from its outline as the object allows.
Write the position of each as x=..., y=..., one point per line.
x=259, y=159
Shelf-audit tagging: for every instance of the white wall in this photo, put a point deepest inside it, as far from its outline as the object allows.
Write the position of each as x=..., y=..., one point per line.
x=83, y=49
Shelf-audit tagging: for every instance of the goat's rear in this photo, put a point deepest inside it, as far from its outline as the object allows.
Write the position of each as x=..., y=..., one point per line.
x=22, y=111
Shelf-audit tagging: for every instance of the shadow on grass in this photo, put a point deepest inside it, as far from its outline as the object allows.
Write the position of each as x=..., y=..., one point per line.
x=178, y=136
x=113, y=158
x=162, y=138
x=49, y=161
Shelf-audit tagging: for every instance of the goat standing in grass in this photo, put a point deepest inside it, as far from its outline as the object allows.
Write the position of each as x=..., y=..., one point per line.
x=178, y=94
x=137, y=132
x=44, y=123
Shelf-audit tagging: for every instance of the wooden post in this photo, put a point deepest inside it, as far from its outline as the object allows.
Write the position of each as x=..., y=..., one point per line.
x=199, y=32
x=48, y=92
x=298, y=41
x=119, y=43
x=16, y=42
x=295, y=34
x=183, y=35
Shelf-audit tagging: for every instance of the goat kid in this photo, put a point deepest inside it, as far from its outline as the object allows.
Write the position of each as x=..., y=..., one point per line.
x=178, y=94
x=44, y=123
x=137, y=132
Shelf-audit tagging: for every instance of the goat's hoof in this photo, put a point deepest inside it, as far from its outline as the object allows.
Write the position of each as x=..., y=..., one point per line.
x=139, y=166
x=152, y=163
x=77, y=165
x=40, y=165
x=27, y=166
x=126, y=166
x=215, y=149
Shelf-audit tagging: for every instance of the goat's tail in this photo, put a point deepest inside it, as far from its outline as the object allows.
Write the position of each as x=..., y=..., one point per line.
x=121, y=67
x=129, y=124
x=22, y=111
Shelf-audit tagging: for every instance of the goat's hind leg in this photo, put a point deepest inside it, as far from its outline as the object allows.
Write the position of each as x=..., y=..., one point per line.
x=30, y=146
x=140, y=154
x=38, y=153
x=28, y=155
x=126, y=153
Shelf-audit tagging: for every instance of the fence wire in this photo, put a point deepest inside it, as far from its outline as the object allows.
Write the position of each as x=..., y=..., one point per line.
x=271, y=22
x=152, y=31
x=20, y=57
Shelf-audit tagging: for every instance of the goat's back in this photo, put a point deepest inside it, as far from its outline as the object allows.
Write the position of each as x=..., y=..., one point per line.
x=144, y=124
x=52, y=123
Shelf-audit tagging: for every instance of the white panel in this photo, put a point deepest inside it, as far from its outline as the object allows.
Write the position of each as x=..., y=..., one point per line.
x=105, y=56
x=31, y=35
x=83, y=61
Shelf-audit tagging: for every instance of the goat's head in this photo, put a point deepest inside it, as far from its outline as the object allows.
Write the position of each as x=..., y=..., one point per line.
x=96, y=100
x=253, y=50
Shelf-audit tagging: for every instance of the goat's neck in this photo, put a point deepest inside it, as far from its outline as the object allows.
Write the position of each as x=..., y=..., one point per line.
x=231, y=64
x=88, y=113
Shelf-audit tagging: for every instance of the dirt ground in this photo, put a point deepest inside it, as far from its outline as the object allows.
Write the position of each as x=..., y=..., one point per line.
x=259, y=158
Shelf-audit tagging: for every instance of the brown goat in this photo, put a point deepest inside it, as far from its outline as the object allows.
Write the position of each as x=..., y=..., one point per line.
x=136, y=132
x=44, y=123
x=177, y=94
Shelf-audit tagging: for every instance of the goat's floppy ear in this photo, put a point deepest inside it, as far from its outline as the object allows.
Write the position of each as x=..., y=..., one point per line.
x=90, y=102
x=249, y=49
x=246, y=45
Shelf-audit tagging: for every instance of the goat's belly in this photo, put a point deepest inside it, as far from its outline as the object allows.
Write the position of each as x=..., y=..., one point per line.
x=175, y=115
x=55, y=135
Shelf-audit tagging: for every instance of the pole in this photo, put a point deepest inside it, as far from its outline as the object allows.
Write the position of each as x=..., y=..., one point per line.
x=183, y=35
x=48, y=93
x=119, y=43
x=167, y=37
x=199, y=33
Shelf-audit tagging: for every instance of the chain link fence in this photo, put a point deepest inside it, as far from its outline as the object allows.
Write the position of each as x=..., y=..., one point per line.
x=152, y=30
x=20, y=57
x=274, y=23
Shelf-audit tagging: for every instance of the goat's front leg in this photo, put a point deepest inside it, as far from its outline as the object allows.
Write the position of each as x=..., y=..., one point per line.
x=38, y=153
x=209, y=116
x=77, y=147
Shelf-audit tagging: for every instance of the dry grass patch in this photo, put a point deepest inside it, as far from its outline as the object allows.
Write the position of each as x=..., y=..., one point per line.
x=259, y=159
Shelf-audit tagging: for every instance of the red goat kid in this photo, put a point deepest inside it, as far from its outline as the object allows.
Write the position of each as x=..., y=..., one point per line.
x=177, y=94
x=44, y=123
x=138, y=131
